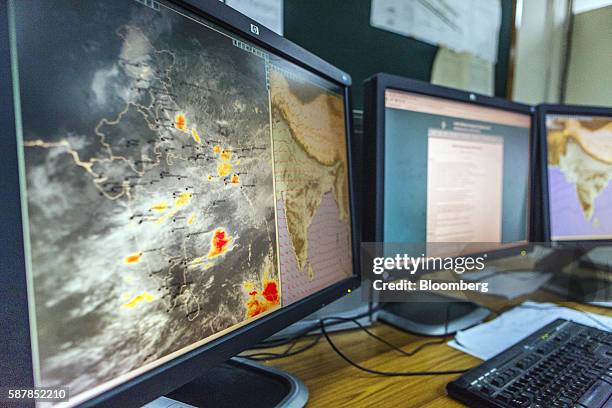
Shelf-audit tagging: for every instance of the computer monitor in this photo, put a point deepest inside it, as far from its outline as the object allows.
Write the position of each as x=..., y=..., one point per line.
x=451, y=166
x=576, y=147
x=176, y=184
x=576, y=168
x=446, y=166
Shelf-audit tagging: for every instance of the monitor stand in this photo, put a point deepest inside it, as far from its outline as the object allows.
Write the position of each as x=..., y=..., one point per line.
x=599, y=258
x=238, y=383
x=428, y=316
x=559, y=258
x=574, y=286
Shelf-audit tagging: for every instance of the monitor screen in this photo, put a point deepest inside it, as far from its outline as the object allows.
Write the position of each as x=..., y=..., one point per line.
x=579, y=171
x=178, y=182
x=454, y=171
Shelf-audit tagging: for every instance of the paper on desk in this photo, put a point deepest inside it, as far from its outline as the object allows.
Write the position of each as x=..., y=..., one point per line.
x=601, y=303
x=489, y=339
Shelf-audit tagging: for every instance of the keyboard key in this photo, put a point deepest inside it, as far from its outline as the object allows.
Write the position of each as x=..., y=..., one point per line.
x=504, y=397
x=486, y=390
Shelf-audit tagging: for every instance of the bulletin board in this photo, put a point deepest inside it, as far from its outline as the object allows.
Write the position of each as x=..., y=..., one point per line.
x=340, y=32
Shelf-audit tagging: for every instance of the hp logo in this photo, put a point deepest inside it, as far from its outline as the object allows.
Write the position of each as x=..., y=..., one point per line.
x=254, y=29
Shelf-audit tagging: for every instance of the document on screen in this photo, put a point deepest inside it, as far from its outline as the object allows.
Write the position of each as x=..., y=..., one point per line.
x=462, y=169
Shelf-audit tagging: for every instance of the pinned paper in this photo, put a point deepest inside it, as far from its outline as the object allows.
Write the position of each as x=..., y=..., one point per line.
x=466, y=25
x=463, y=70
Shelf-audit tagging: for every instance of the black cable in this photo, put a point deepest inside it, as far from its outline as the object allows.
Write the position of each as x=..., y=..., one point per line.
x=304, y=332
x=390, y=345
x=337, y=320
x=383, y=373
x=287, y=353
x=286, y=340
x=405, y=353
x=291, y=346
x=292, y=341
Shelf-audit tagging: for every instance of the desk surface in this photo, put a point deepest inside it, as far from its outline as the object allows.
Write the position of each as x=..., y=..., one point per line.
x=333, y=382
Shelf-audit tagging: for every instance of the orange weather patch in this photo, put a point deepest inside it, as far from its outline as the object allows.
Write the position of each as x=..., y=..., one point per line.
x=226, y=155
x=217, y=149
x=180, y=122
x=219, y=243
x=133, y=258
x=235, y=179
x=259, y=303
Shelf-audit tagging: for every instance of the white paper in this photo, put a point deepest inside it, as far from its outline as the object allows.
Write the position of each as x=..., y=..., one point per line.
x=266, y=12
x=466, y=25
x=463, y=70
x=489, y=339
x=601, y=303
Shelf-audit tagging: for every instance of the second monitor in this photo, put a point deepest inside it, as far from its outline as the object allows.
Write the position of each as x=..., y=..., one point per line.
x=577, y=152
x=446, y=166
x=454, y=167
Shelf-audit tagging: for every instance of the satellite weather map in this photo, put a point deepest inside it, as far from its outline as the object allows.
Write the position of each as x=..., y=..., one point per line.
x=579, y=174
x=312, y=197
x=178, y=181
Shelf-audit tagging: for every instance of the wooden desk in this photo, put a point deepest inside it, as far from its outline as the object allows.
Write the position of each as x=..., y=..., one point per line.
x=334, y=383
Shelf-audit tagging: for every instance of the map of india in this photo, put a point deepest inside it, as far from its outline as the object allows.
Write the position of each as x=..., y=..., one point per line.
x=311, y=176
x=580, y=159
x=150, y=197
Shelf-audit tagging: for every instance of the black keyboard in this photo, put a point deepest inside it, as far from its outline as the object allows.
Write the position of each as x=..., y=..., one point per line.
x=564, y=364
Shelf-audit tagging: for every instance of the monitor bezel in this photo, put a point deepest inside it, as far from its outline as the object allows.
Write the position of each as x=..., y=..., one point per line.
x=542, y=111
x=374, y=147
x=16, y=351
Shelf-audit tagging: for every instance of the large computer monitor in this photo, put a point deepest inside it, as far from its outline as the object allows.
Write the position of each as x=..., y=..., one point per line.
x=450, y=166
x=446, y=166
x=576, y=146
x=176, y=187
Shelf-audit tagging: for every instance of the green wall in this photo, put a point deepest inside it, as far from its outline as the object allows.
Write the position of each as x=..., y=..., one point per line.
x=339, y=31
